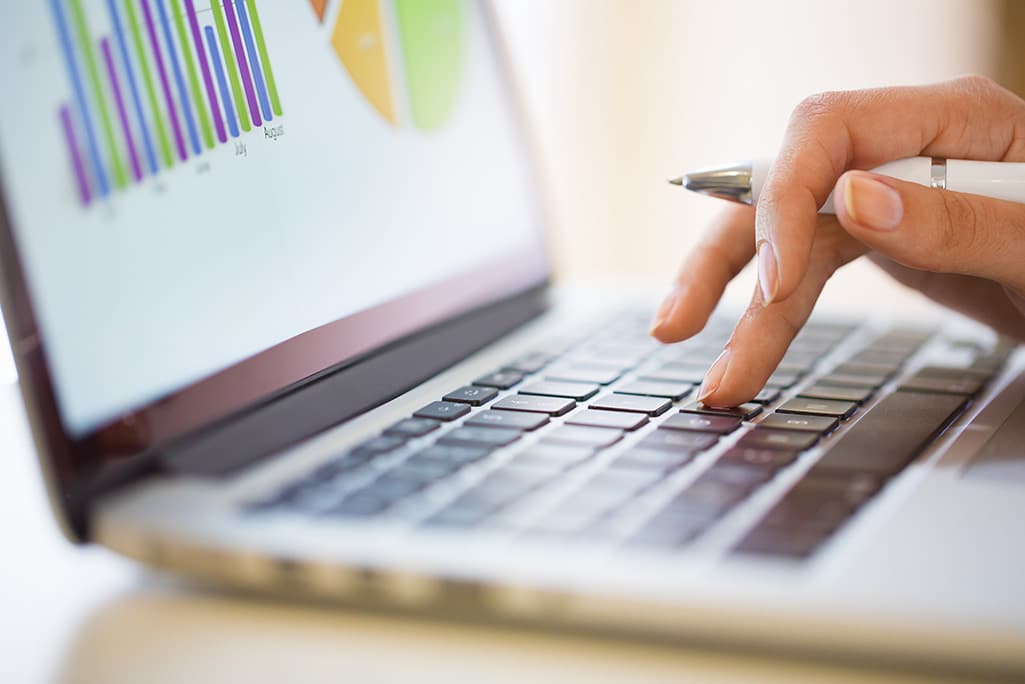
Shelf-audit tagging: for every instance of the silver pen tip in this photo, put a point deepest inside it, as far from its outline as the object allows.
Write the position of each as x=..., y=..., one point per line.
x=676, y=181
x=731, y=182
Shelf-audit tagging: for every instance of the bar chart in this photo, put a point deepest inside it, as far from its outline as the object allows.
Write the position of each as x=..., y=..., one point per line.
x=167, y=82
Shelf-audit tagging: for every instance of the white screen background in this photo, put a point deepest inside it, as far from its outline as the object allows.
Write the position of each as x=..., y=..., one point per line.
x=224, y=256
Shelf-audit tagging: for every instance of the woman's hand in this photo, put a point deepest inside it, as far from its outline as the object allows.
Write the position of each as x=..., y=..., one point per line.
x=964, y=251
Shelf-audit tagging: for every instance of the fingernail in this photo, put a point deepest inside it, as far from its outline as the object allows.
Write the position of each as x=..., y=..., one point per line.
x=872, y=203
x=665, y=308
x=714, y=375
x=768, y=271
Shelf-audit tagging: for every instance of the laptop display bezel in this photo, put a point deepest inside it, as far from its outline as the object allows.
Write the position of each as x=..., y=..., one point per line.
x=78, y=469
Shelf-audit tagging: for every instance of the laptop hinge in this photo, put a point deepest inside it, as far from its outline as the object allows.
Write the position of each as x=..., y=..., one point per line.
x=338, y=396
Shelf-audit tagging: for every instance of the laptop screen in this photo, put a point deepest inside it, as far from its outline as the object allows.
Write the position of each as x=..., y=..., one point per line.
x=193, y=183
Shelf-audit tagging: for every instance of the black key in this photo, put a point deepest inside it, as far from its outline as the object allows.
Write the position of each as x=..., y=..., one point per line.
x=508, y=419
x=819, y=407
x=677, y=372
x=315, y=500
x=800, y=359
x=500, y=379
x=744, y=411
x=784, y=421
x=789, y=440
x=838, y=393
x=413, y=427
x=965, y=385
x=652, y=406
x=423, y=469
x=653, y=459
x=391, y=488
x=808, y=515
x=624, y=481
x=863, y=381
x=529, y=363
x=463, y=512
x=870, y=369
x=672, y=533
x=553, y=455
x=359, y=504
x=485, y=438
x=509, y=483
x=769, y=459
x=459, y=455
x=865, y=368
x=782, y=380
x=474, y=396
x=343, y=463
x=668, y=390
x=884, y=359
x=891, y=435
x=798, y=368
x=553, y=406
x=719, y=425
x=380, y=444
x=577, y=391
x=679, y=441
x=596, y=373
x=952, y=372
x=709, y=497
x=854, y=489
x=767, y=395
x=575, y=435
x=608, y=419
x=443, y=410
x=736, y=475
x=775, y=542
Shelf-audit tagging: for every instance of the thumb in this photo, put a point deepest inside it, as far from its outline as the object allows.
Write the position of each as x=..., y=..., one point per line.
x=934, y=230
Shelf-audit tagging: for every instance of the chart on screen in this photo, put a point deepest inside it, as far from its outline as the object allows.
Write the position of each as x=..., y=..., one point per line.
x=163, y=84
x=403, y=55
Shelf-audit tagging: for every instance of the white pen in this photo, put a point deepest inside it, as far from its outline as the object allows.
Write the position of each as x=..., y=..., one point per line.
x=743, y=181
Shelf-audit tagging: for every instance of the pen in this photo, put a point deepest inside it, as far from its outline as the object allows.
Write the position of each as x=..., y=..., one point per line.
x=742, y=182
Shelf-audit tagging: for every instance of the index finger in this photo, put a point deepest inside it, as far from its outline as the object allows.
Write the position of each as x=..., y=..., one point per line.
x=968, y=118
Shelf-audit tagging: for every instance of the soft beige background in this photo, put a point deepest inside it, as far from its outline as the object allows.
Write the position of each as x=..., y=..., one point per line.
x=626, y=94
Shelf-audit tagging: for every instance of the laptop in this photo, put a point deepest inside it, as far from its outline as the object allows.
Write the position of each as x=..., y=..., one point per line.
x=274, y=332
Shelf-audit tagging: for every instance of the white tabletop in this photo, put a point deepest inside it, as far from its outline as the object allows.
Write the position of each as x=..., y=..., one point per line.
x=82, y=614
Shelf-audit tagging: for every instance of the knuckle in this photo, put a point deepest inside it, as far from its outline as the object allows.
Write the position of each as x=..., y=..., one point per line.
x=819, y=106
x=958, y=230
x=977, y=84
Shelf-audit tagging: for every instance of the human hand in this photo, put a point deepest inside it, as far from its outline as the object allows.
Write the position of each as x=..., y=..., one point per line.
x=964, y=251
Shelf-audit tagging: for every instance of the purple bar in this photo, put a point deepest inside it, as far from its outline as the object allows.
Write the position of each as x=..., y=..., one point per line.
x=76, y=156
x=115, y=86
x=204, y=66
x=243, y=63
x=175, y=125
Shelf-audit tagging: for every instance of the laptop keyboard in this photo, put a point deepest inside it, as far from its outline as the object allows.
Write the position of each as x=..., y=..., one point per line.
x=600, y=440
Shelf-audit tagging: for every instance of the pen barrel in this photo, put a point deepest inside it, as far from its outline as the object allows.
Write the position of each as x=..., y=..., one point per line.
x=1000, y=180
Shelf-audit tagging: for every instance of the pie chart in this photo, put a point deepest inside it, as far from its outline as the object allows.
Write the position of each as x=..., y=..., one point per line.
x=405, y=56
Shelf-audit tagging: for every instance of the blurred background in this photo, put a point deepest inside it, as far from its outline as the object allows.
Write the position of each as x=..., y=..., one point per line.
x=625, y=94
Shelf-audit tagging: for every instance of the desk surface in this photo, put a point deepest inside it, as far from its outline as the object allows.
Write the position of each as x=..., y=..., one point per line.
x=86, y=615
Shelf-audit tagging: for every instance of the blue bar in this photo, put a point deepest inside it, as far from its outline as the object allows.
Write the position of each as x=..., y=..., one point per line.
x=179, y=79
x=147, y=142
x=254, y=59
x=222, y=81
x=83, y=106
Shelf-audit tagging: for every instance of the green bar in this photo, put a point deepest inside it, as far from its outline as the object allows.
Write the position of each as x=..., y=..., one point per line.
x=229, y=62
x=261, y=47
x=120, y=179
x=190, y=65
x=151, y=93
